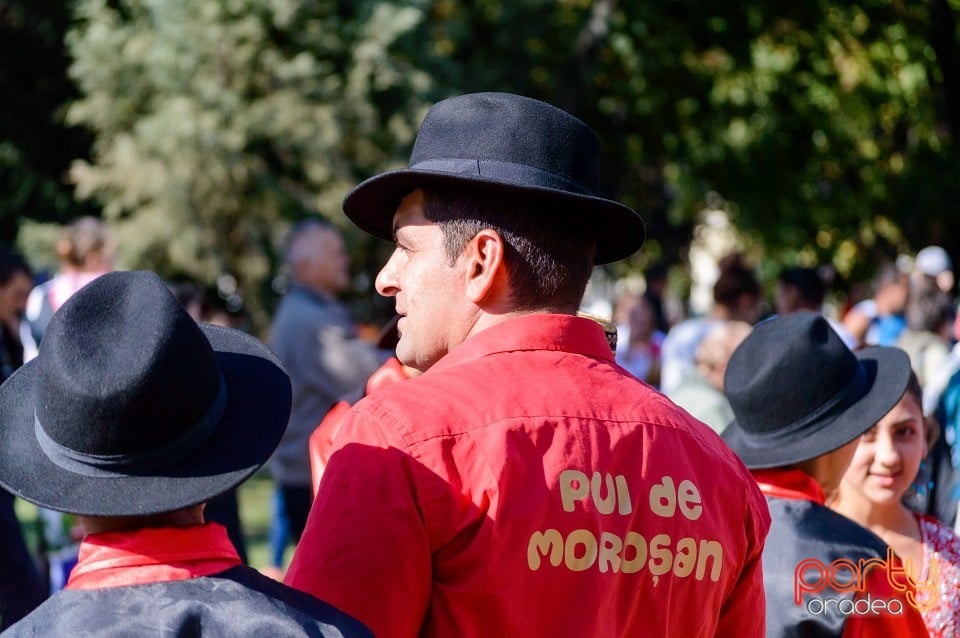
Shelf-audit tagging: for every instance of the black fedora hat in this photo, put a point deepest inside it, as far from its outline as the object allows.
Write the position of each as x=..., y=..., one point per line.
x=798, y=392
x=511, y=143
x=132, y=408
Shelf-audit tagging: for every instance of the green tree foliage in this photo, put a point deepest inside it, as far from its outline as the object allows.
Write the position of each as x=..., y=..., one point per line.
x=827, y=130
x=36, y=148
x=219, y=122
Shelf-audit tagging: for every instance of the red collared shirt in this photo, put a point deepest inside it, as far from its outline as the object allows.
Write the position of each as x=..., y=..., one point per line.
x=152, y=555
x=526, y=485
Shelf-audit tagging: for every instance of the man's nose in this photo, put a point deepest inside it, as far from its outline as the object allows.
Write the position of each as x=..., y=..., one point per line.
x=386, y=282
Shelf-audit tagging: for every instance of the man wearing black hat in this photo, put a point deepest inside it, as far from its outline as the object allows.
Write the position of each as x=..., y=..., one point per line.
x=524, y=485
x=801, y=399
x=131, y=417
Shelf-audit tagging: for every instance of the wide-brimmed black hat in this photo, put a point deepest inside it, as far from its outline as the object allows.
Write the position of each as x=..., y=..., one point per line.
x=798, y=392
x=132, y=408
x=509, y=143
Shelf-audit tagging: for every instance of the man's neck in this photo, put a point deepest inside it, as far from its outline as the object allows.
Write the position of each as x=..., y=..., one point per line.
x=180, y=518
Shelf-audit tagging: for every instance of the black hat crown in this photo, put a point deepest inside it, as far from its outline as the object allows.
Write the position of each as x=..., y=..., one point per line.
x=797, y=391
x=510, y=143
x=116, y=367
x=523, y=142
x=764, y=370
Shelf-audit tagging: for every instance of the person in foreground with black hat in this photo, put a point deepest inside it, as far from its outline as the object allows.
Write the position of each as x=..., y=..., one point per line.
x=801, y=399
x=524, y=485
x=131, y=417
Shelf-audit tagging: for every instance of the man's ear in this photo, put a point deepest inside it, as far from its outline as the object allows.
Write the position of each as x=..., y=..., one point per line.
x=483, y=265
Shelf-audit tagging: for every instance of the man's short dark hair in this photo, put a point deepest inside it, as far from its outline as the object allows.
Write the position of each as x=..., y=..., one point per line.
x=549, y=249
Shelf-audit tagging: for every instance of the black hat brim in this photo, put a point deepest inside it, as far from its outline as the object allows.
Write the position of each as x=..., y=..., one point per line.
x=887, y=380
x=255, y=417
x=372, y=204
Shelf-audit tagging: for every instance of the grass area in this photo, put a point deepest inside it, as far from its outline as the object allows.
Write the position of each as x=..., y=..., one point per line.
x=27, y=515
x=254, y=496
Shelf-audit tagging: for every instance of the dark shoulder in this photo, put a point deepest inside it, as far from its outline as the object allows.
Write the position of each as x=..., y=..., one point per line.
x=818, y=530
x=237, y=602
x=294, y=600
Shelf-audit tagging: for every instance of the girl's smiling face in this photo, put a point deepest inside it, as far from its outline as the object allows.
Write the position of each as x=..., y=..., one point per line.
x=888, y=455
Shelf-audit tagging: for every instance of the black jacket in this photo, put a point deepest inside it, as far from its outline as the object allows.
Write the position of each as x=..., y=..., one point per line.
x=234, y=603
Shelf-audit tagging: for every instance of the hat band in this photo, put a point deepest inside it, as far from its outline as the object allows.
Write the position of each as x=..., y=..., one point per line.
x=117, y=465
x=518, y=174
x=836, y=404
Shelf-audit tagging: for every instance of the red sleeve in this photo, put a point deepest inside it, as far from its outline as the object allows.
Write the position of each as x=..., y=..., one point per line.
x=744, y=612
x=365, y=549
x=320, y=445
x=899, y=620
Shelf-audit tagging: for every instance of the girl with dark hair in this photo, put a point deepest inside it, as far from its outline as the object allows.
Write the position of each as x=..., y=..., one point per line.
x=883, y=471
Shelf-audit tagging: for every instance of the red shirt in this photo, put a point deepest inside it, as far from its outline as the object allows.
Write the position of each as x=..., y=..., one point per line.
x=321, y=440
x=528, y=486
x=152, y=555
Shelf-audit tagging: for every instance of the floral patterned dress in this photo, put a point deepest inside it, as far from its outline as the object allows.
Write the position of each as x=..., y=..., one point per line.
x=942, y=544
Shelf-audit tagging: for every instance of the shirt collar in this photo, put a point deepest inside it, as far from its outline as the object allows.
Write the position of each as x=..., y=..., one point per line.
x=789, y=483
x=540, y=331
x=151, y=555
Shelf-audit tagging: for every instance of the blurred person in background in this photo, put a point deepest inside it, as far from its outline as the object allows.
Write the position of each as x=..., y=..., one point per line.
x=622, y=306
x=639, y=354
x=737, y=296
x=85, y=251
x=701, y=394
x=315, y=336
x=878, y=321
x=941, y=400
x=803, y=288
x=926, y=339
x=931, y=323
x=656, y=279
x=21, y=587
x=798, y=288
x=933, y=264
x=16, y=281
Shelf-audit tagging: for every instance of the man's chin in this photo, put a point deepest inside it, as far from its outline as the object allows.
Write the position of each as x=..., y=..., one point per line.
x=412, y=359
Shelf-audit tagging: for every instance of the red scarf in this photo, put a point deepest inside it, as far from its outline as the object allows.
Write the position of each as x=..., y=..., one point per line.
x=789, y=483
x=152, y=555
